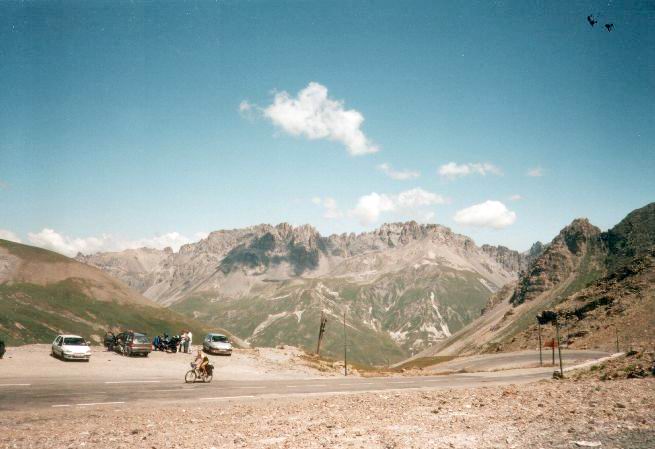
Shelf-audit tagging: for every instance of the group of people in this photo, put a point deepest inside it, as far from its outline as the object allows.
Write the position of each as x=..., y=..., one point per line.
x=176, y=343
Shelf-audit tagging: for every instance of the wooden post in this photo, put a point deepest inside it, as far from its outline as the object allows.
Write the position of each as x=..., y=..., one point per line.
x=552, y=340
x=321, y=330
x=541, y=361
x=559, y=349
x=617, y=339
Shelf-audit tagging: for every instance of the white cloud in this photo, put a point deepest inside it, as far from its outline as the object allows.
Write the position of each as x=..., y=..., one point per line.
x=409, y=203
x=315, y=116
x=516, y=197
x=490, y=214
x=247, y=110
x=535, y=172
x=70, y=246
x=331, y=209
x=453, y=170
x=399, y=175
x=6, y=234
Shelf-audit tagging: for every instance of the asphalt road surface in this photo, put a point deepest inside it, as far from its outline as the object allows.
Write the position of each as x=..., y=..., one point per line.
x=518, y=359
x=16, y=396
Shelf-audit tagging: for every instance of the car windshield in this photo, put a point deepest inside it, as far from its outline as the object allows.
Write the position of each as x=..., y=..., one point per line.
x=74, y=341
x=141, y=339
x=219, y=338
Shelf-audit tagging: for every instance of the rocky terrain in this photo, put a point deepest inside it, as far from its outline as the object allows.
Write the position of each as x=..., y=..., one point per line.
x=43, y=293
x=598, y=281
x=550, y=414
x=402, y=287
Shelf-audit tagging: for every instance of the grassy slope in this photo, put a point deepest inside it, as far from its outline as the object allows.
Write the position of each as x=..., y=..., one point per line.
x=35, y=314
x=460, y=294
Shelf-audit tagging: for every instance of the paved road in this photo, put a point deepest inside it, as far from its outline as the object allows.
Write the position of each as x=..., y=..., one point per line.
x=518, y=359
x=17, y=396
x=38, y=392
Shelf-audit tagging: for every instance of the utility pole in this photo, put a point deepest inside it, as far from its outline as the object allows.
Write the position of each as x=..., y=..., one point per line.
x=345, y=346
x=559, y=348
x=617, y=338
x=321, y=331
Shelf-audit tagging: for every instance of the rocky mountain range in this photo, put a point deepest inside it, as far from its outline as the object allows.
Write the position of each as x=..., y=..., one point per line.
x=402, y=287
x=599, y=282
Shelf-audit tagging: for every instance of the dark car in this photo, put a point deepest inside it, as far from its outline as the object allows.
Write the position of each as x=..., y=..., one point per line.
x=132, y=343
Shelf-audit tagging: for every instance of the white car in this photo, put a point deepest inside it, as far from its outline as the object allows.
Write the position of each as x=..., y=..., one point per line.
x=71, y=347
x=217, y=344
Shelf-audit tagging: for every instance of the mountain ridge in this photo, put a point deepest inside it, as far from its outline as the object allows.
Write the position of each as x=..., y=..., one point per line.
x=404, y=285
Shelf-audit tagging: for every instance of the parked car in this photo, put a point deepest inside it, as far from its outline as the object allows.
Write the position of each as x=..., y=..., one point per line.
x=71, y=347
x=132, y=343
x=217, y=344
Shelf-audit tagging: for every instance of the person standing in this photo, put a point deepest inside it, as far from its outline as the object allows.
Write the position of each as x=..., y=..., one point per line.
x=189, y=336
x=2, y=348
x=183, y=341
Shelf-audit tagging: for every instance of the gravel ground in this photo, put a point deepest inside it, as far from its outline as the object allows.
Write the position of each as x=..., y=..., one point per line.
x=547, y=414
x=244, y=364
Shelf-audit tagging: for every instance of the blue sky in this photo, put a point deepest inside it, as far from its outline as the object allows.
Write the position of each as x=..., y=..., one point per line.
x=120, y=123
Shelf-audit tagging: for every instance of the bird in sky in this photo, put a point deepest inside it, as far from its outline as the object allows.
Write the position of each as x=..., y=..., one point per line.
x=609, y=26
x=591, y=20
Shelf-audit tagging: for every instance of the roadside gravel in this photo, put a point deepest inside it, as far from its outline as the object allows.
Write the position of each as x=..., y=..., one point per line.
x=547, y=414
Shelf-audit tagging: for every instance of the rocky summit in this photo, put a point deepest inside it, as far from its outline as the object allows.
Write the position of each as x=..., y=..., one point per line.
x=401, y=287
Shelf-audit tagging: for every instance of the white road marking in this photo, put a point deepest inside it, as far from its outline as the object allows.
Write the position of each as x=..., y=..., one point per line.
x=316, y=385
x=226, y=397
x=62, y=405
x=15, y=385
x=100, y=403
x=134, y=382
x=248, y=388
x=291, y=386
x=402, y=382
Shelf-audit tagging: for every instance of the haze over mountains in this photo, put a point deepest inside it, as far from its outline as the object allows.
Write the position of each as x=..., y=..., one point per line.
x=403, y=286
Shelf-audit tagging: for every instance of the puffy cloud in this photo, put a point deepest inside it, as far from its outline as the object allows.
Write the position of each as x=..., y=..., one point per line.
x=453, y=170
x=535, y=172
x=490, y=214
x=314, y=115
x=516, y=197
x=330, y=207
x=410, y=203
x=399, y=175
x=70, y=246
x=6, y=234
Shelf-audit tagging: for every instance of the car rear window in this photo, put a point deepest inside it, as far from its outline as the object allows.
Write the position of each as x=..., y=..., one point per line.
x=141, y=339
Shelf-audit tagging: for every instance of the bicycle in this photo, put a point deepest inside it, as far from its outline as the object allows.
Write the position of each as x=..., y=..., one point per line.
x=194, y=374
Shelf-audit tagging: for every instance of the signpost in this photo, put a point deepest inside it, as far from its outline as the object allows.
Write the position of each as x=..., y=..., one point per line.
x=545, y=317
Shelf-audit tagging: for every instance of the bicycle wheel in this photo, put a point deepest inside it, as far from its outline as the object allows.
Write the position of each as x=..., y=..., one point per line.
x=190, y=376
x=207, y=378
